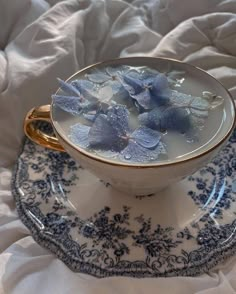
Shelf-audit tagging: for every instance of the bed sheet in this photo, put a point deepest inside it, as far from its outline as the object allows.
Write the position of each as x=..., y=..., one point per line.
x=41, y=40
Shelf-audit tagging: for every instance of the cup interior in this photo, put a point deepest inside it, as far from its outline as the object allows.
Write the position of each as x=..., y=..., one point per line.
x=188, y=80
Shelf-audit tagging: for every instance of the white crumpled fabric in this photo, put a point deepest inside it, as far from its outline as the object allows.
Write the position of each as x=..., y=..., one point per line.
x=41, y=40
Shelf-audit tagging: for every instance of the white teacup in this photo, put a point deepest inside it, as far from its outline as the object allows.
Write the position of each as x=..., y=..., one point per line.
x=149, y=177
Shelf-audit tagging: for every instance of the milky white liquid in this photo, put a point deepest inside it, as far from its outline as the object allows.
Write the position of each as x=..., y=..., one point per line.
x=177, y=145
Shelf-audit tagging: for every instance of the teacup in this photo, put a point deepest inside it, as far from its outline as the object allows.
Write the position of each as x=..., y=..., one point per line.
x=151, y=89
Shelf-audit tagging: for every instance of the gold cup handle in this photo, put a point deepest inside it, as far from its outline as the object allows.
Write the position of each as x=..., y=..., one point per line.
x=41, y=113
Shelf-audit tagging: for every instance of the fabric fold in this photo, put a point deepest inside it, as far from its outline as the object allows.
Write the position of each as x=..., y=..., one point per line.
x=42, y=40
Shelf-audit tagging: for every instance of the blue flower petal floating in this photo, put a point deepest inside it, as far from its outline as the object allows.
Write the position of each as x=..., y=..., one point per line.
x=144, y=146
x=167, y=119
x=137, y=153
x=198, y=106
x=111, y=74
x=118, y=116
x=146, y=137
x=69, y=104
x=104, y=135
x=111, y=132
x=185, y=113
x=148, y=91
x=86, y=89
x=90, y=116
x=79, y=135
x=77, y=96
x=110, y=77
x=98, y=76
x=68, y=88
x=105, y=101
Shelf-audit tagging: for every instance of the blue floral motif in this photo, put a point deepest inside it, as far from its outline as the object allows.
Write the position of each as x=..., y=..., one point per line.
x=52, y=171
x=211, y=236
x=56, y=224
x=214, y=193
x=157, y=242
x=106, y=240
x=185, y=234
x=108, y=231
x=42, y=187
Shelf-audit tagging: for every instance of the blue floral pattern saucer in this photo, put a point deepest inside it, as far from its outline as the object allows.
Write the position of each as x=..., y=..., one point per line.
x=186, y=229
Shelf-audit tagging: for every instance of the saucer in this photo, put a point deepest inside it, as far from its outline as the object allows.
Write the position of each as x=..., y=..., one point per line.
x=186, y=229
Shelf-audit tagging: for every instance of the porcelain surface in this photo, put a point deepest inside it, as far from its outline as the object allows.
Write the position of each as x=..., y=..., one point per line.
x=150, y=177
x=186, y=229
x=138, y=167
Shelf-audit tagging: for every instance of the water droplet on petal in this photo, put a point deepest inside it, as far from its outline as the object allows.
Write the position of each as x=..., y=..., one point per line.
x=127, y=156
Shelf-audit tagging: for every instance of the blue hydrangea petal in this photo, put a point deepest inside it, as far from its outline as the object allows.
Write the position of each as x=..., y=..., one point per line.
x=169, y=118
x=161, y=148
x=89, y=106
x=103, y=135
x=146, y=137
x=144, y=99
x=160, y=91
x=98, y=76
x=149, y=73
x=79, y=135
x=160, y=99
x=116, y=87
x=122, y=97
x=152, y=119
x=68, y=103
x=148, y=81
x=160, y=83
x=86, y=89
x=199, y=107
x=101, y=132
x=133, y=73
x=90, y=117
x=144, y=120
x=138, y=107
x=68, y=88
x=118, y=117
x=132, y=85
x=91, y=113
x=115, y=71
x=178, y=98
x=83, y=84
x=137, y=153
x=176, y=119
